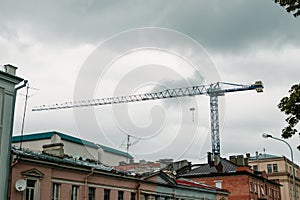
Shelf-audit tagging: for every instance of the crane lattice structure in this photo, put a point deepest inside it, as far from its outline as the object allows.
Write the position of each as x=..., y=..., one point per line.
x=213, y=90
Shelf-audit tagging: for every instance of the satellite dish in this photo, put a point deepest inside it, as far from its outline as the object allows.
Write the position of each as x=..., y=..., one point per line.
x=20, y=185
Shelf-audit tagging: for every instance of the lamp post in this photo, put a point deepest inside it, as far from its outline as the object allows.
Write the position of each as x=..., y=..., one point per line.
x=265, y=135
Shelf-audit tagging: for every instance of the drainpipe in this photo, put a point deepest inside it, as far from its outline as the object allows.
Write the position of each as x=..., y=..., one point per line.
x=86, y=182
x=138, y=191
x=11, y=130
x=14, y=102
x=15, y=162
x=21, y=86
x=16, y=89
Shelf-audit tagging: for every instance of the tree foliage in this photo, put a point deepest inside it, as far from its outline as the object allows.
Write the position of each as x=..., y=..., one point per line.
x=291, y=6
x=291, y=106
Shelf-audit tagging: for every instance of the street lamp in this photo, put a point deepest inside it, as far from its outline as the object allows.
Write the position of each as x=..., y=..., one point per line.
x=266, y=135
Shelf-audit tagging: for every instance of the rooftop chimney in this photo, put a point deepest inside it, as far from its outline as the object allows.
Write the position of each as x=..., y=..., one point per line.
x=247, y=155
x=55, y=149
x=232, y=159
x=240, y=160
x=10, y=69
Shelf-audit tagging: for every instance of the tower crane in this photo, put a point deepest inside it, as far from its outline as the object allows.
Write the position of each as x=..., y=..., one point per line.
x=213, y=90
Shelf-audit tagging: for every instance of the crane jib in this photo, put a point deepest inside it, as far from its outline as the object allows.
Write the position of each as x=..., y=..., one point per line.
x=213, y=90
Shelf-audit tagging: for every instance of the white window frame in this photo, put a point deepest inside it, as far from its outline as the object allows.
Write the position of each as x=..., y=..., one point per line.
x=74, y=192
x=275, y=167
x=262, y=190
x=36, y=188
x=55, y=191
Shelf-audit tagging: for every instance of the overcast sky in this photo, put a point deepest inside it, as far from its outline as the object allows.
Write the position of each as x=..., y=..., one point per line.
x=85, y=49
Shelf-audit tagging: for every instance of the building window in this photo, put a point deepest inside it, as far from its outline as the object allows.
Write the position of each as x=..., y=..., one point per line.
x=255, y=167
x=55, y=191
x=262, y=190
x=106, y=194
x=91, y=193
x=275, y=168
x=120, y=195
x=218, y=183
x=255, y=188
x=272, y=193
x=74, y=194
x=33, y=178
x=132, y=197
x=269, y=168
x=250, y=187
x=30, y=189
x=142, y=197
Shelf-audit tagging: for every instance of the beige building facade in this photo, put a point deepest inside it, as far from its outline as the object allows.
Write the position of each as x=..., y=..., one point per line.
x=278, y=168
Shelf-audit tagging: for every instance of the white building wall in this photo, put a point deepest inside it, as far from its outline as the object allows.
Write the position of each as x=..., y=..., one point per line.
x=36, y=145
x=113, y=159
x=76, y=150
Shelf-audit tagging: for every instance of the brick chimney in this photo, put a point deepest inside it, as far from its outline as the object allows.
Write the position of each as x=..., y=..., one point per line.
x=55, y=149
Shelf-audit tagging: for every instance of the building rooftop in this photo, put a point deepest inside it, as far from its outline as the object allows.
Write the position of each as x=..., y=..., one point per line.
x=48, y=135
x=190, y=183
x=264, y=156
x=70, y=161
x=227, y=167
x=65, y=160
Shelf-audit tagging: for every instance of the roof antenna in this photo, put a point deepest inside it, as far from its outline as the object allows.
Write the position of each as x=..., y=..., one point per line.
x=24, y=113
x=129, y=143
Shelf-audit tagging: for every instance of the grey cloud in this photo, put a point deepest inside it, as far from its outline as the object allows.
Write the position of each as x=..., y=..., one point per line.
x=230, y=26
x=232, y=30
x=234, y=26
x=76, y=21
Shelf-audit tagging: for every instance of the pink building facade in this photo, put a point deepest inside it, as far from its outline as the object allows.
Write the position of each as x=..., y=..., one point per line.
x=57, y=177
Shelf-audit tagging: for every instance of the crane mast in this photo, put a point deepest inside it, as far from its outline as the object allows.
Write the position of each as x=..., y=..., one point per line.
x=213, y=90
